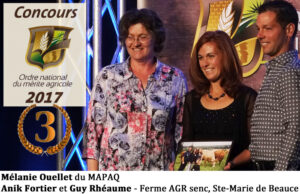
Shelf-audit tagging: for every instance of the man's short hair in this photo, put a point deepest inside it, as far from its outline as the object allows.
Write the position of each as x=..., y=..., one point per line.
x=285, y=13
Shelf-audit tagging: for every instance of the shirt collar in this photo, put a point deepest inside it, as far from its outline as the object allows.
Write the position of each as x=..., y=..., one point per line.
x=281, y=60
x=128, y=73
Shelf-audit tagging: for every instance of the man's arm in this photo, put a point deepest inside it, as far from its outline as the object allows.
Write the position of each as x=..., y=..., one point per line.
x=289, y=94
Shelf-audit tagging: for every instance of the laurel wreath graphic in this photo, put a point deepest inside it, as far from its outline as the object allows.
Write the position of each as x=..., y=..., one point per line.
x=37, y=149
x=226, y=19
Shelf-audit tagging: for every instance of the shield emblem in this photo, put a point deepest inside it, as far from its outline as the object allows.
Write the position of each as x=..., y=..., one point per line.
x=237, y=19
x=47, y=45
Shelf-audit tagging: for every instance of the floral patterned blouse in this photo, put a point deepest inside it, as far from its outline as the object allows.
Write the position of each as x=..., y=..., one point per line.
x=132, y=128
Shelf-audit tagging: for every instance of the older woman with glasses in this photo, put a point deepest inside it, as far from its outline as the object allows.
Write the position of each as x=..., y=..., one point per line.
x=134, y=120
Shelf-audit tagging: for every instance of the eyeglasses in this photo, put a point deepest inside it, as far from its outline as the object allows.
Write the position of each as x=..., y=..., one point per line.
x=141, y=39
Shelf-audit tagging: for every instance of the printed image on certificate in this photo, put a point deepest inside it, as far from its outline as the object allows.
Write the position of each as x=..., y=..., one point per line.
x=202, y=156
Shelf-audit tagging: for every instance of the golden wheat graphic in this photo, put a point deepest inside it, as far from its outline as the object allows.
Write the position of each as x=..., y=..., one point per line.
x=44, y=42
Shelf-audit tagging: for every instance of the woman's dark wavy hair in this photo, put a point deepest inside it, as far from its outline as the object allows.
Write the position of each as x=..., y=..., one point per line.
x=150, y=21
x=285, y=13
x=231, y=72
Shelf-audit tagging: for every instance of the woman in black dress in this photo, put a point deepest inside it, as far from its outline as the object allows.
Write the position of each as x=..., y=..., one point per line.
x=220, y=106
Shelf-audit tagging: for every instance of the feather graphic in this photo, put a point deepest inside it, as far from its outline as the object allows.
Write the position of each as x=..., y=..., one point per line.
x=226, y=19
x=44, y=42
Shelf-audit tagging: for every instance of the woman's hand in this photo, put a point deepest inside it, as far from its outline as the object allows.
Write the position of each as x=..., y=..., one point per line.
x=171, y=166
x=228, y=166
x=92, y=164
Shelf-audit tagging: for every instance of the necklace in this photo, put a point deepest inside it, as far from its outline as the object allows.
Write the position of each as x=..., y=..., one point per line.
x=216, y=98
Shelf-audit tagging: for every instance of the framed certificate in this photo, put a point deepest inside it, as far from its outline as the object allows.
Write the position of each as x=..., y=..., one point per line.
x=202, y=155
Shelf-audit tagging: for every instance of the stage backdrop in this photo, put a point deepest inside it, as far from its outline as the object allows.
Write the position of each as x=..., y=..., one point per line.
x=186, y=21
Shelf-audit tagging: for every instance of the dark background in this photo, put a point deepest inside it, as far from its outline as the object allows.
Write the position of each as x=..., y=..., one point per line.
x=13, y=156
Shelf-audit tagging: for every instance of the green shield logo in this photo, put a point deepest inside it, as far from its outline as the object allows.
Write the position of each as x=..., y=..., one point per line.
x=47, y=45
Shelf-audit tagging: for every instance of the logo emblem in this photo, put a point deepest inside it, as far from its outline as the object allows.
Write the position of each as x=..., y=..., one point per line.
x=50, y=132
x=47, y=45
x=237, y=19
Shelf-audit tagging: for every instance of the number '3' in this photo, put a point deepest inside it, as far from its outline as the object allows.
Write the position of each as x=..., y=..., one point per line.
x=50, y=130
